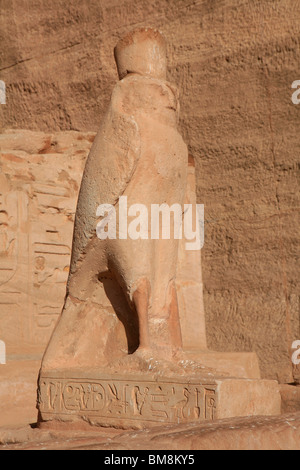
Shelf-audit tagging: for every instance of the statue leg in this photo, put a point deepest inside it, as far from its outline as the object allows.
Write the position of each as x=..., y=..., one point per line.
x=174, y=320
x=140, y=299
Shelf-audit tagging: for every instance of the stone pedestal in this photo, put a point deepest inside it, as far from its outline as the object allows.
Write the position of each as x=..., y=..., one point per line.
x=233, y=364
x=146, y=400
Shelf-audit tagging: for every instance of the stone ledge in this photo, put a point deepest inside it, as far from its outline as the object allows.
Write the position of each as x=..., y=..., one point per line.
x=256, y=433
x=18, y=385
x=235, y=364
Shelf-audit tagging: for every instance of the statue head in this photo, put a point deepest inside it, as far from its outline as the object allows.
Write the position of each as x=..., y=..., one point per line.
x=142, y=51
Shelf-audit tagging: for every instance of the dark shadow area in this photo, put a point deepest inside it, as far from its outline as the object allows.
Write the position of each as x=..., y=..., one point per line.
x=125, y=313
x=34, y=425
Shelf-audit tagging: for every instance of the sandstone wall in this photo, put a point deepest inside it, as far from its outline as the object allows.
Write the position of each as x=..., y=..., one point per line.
x=234, y=62
x=39, y=181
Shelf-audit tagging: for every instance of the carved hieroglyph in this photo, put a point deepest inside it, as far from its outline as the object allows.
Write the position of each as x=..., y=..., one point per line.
x=138, y=401
x=39, y=181
x=112, y=400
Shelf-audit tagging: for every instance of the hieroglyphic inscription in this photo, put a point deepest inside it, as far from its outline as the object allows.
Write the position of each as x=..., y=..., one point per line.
x=128, y=400
x=38, y=194
x=13, y=257
x=34, y=263
x=50, y=256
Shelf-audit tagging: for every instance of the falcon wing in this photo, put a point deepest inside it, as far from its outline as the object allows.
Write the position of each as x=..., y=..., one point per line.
x=109, y=168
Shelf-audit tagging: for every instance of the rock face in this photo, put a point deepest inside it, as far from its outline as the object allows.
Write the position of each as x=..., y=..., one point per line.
x=234, y=63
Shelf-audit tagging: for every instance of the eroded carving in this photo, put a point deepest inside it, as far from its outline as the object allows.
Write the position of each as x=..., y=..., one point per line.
x=128, y=400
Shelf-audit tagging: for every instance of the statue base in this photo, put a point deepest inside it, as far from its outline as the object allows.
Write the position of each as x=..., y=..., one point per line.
x=234, y=364
x=142, y=400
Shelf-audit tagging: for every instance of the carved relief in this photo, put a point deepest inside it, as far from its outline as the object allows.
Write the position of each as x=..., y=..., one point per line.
x=138, y=399
x=38, y=196
x=115, y=399
x=13, y=257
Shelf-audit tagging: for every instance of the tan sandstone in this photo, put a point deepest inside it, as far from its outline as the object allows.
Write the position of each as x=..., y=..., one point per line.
x=116, y=356
x=235, y=63
x=250, y=264
x=259, y=433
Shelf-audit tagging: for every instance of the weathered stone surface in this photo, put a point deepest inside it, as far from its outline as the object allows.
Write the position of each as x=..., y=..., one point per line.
x=128, y=401
x=243, y=365
x=18, y=383
x=290, y=398
x=235, y=63
x=143, y=401
x=39, y=181
x=260, y=433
